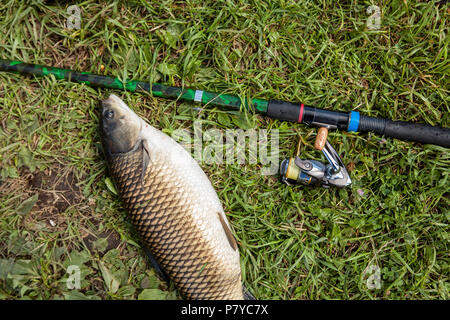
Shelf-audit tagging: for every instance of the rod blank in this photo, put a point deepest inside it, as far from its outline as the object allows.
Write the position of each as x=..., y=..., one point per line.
x=282, y=110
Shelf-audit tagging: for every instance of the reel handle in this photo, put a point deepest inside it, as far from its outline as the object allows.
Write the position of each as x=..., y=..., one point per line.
x=321, y=139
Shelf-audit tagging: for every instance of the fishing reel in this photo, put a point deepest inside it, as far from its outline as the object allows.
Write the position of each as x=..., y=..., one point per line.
x=296, y=171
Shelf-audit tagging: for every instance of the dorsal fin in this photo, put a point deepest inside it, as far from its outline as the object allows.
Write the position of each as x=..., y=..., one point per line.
x=228, y=233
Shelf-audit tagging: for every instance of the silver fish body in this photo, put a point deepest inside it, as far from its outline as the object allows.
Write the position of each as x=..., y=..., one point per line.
x=172, y=204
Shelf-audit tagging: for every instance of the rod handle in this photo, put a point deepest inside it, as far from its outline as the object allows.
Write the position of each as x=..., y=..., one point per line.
x=406, y=131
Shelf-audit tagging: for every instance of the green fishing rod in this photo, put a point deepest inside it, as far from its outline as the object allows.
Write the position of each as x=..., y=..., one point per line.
x=295, y=112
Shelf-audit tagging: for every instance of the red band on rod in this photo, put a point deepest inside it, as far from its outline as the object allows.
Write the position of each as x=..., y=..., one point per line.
x=300, y=115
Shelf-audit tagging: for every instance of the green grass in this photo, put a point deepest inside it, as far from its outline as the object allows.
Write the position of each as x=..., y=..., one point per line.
x=295, y=243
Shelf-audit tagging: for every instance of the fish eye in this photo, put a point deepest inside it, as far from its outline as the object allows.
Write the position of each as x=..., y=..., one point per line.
x=108, y=114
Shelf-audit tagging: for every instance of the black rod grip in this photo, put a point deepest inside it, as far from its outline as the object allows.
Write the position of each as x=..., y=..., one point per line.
x=406, y=131
x=283, y=110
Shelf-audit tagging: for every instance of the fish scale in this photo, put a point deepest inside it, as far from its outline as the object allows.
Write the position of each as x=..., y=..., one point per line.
x=161, y=210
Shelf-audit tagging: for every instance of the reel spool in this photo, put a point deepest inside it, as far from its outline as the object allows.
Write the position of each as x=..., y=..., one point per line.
x=296, y=171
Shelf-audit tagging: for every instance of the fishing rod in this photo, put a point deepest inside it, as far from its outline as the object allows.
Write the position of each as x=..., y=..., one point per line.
x=351, y=121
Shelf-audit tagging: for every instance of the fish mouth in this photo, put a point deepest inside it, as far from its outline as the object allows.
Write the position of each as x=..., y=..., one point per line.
x=114, y=101
x=111, y=99
x=117, y=106
x=120, y=126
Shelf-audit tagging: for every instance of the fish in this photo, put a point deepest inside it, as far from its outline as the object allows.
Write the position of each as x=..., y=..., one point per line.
x=173, y=206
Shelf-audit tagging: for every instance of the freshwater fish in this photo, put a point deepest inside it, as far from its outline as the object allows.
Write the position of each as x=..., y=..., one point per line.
x=173, y=206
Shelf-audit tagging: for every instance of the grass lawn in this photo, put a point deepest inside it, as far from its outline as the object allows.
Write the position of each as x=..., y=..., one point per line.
x=57, y=205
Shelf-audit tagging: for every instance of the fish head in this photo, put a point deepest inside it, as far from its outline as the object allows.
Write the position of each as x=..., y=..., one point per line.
x=120, y=126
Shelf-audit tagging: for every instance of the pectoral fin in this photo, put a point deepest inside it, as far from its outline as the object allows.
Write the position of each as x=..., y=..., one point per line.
x=228, y=232
x=145, y=158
